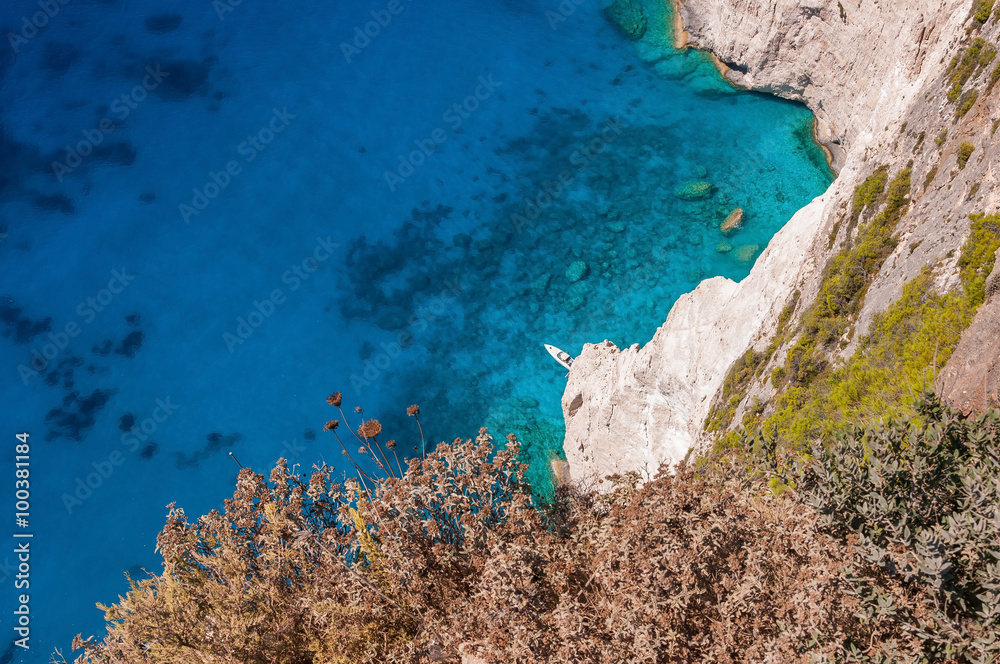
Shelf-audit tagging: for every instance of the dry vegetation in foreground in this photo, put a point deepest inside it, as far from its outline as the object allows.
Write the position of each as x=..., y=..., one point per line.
x=878, y=547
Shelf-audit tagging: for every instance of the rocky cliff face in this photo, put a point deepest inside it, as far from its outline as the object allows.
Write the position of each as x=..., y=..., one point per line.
x=971, y=379
x=857, y=64
x=876, y=75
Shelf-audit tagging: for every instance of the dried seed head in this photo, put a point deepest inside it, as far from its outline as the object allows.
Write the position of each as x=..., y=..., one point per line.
x=334, y=399
x=331, y=425
x=370, y=429
x=413, y=410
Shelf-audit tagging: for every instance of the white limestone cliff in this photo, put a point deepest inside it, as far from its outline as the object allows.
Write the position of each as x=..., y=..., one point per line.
x=863, y=68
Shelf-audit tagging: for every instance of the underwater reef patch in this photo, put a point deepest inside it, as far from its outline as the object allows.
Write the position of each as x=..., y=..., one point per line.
x=20, y=328
x=628, y=17
x=131, y=344
x=76, y=416
x=215, y=443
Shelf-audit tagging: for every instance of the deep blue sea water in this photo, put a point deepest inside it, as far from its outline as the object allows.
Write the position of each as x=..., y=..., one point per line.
x=214, y=214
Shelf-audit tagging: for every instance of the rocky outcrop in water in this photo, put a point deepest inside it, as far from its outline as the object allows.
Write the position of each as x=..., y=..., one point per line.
x=732, y=222
x=877, y=76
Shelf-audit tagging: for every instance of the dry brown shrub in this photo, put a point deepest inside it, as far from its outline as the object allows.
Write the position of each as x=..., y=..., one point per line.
x=455, y=556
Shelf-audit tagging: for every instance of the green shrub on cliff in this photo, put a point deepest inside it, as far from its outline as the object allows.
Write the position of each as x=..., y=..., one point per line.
x=965, y=151
x=743, y=372
x=893, y=360
x=897, y=357
x=963, y=66
x=849, y=273
x=982, y=10
x=867, y=193
x=965, y=103
x=734, y=388
x=977, y=259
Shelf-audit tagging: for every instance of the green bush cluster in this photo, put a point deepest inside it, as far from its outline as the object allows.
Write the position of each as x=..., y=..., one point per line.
x=849, y=273
x=867, y=193
x=931, y=174
x=738, y=379
x=965, y=103
x=982, y=11
x=977, y=259
x=994, y=77
x=741, y=375
x=978, y=55
x=965, y=151
x=893, y=360
x=904, y=345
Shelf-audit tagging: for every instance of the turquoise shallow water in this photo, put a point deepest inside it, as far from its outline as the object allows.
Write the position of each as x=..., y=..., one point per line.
x=232, y=249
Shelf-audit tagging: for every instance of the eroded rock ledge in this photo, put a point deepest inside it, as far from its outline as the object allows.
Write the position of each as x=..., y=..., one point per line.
x=864, y=69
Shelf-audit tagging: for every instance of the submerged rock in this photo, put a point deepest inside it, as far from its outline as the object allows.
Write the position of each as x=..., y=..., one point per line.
x=627, y=16
x=393, y=319
x=573, y=303
x=582, y=288
x=527, y=402
x=723, y=247
x=695, y=190
x=733, y=222
x=747, y=252
x=577, y=271
x=616, y=227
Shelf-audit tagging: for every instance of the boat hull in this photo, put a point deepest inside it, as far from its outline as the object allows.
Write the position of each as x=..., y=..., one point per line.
x=560, y=356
